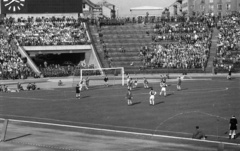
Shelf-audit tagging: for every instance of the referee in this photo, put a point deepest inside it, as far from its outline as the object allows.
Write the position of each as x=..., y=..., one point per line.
x=232, y=127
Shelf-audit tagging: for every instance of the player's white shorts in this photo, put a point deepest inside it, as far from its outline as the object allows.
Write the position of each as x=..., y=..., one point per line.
x=135, y=84
x=163, y=89
x=152, y=97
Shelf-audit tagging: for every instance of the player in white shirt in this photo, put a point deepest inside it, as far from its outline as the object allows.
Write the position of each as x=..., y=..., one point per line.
x=152, y=94
x=135, y=83
x=128, y=79
x=81, y=85
x=130, y=84
x=164, y=89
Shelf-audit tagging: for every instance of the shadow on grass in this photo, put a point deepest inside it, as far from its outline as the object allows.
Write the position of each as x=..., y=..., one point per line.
x=169, y=94
x=136, y=103
x=14, y=138
x=237, y=135
x=157, y=103
x=184, y=89
x=84, y=97
x=136, y=89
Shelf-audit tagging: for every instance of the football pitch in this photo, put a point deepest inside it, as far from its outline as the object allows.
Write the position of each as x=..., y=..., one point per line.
x=207, y=103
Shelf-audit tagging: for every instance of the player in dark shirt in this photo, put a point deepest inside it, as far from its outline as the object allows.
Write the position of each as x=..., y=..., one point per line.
x=229, y=73
x=179, y=82
x=145, y=83
x=129, y=97
x=232, y=127
x=77, y=91
x=87, y=82
x=198, y=134
x=106, y=81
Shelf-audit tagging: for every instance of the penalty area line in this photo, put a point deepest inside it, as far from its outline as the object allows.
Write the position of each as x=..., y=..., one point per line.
x=122, y=132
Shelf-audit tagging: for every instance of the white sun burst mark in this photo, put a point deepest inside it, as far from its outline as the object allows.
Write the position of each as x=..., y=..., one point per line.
x=14, y=8
x=18, y=8
x=10, y=8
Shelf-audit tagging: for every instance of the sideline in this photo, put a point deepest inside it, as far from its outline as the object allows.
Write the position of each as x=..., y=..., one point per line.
x=123, y=132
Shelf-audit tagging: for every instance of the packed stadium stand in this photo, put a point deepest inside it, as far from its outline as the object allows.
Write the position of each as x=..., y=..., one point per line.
x=12, y=64
x=144, y=44
x=228, y=44
x=152, y=46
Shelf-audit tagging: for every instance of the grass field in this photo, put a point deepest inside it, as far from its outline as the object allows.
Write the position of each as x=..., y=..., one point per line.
x=206, y=103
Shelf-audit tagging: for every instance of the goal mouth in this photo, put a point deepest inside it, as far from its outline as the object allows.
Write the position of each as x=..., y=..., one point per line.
x=96, y=76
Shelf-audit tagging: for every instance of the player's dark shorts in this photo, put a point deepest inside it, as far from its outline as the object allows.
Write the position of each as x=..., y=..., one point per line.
x=233, y=127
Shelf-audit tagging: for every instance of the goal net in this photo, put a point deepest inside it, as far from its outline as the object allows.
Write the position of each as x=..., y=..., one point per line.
x=96, y=76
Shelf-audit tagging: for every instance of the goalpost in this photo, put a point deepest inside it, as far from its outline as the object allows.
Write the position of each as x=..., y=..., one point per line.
x=114, y=74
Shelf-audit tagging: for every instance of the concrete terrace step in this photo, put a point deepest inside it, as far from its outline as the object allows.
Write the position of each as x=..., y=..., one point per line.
x=132, y=36
x=96, y=42
x=127, y=27
x=126, y=44
x=127, y=53
x=128, y=50
x=127, y=63
x=126, y=58
x=125, y=41
x=124, y=32
x=212, y=51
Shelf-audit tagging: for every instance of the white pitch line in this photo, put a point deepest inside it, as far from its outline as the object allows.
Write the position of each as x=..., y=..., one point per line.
x=26, y=98
x=122, y=132
x=179, y=114
x=92, y=124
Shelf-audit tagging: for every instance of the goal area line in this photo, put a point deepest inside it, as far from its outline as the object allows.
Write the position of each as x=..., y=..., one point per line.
x=121, y=132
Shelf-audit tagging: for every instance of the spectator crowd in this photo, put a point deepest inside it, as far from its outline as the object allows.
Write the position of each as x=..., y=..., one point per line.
x=228, y=48
x=47, y=31
x=187, y=31
x=188, y=45
x=42, y=31
x=12, y=65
